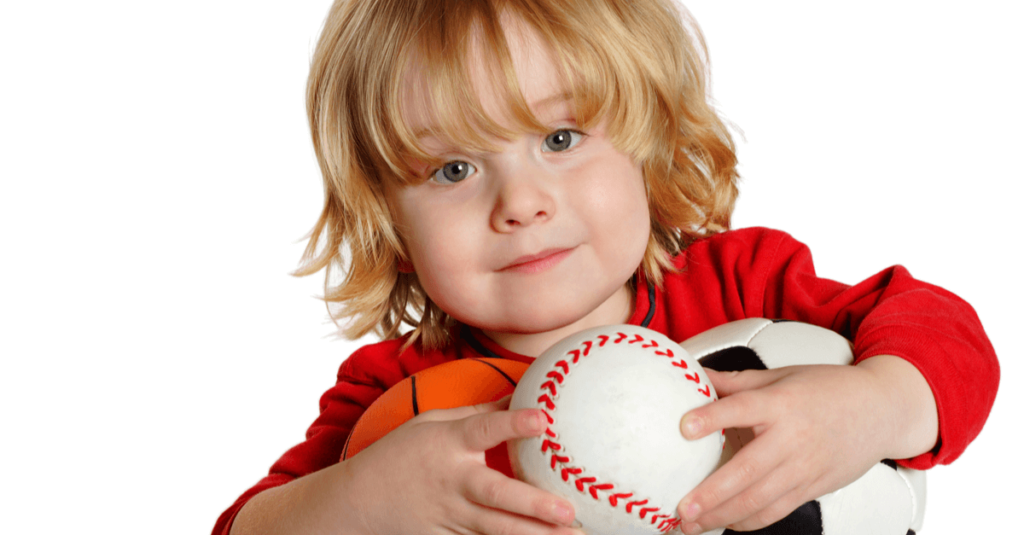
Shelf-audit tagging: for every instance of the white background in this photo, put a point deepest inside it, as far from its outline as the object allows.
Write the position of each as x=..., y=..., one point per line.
x=157, y=179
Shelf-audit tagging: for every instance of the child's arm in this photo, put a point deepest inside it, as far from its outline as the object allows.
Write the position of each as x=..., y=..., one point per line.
x=849, y=413
x=818, y=428
x=308, y=486
x=427, y=476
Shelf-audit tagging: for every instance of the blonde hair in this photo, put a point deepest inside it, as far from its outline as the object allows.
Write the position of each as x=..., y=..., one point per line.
x=640, y=64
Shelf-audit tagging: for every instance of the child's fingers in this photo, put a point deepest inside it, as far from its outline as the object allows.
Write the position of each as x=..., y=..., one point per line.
x=459, y=413
x=496, y=491
x=493, y=522
x=758, y=504
x=503, y=403
x=769, y=515
x=484, y=431
x=745, y=470
x=729, y=383
x=497, y=405
x=741, y=410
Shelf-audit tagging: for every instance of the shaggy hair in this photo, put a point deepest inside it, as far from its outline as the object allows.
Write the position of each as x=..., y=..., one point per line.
x=640, y=64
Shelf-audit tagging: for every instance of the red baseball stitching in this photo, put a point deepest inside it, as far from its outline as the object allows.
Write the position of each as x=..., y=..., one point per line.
x=629, y=506
x=590, y=485
x=602, y=486
x=614, y=498
x=669, y=525
x=581, y=484
x=573, y=471
x=550, y=445
x=555, y=459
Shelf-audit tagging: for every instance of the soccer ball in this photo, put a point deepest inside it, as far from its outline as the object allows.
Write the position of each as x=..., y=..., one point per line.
x=888, y=499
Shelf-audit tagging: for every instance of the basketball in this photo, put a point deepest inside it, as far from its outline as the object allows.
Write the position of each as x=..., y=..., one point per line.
x=458, y=383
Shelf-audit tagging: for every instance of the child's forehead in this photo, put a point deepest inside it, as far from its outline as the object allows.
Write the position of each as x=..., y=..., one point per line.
x=422, y=118
x=484, y=89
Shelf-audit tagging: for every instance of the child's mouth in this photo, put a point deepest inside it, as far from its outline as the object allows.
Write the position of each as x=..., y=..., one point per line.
x=538, y=262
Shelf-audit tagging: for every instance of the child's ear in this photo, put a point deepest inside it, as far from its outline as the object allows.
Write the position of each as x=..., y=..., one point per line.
x=404, y=266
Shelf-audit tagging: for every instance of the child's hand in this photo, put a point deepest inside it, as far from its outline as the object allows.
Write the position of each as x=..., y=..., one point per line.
x=817, y=429
x=429, y=476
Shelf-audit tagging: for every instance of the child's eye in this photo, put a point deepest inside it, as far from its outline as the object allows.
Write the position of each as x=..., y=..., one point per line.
x=453, y=172
x=562, y=140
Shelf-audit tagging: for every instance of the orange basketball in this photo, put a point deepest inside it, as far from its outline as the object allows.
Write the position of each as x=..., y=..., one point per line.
x=458, y=383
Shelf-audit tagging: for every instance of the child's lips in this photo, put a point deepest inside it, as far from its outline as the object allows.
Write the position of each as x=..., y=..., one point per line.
x=538, y=262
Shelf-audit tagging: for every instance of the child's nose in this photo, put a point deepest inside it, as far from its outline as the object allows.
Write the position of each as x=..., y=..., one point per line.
x=523, y=200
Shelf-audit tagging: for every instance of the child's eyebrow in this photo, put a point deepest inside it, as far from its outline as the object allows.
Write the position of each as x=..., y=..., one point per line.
x=557, y=98
x=541, y=104
x=429, y=131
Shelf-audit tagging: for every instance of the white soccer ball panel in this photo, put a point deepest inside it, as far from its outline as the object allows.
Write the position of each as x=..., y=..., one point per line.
x=791, y=343
x=855, y=509
x=732, y=334
x=916, y=482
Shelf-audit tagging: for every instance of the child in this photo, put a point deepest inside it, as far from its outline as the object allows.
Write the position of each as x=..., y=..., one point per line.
x=502, y=174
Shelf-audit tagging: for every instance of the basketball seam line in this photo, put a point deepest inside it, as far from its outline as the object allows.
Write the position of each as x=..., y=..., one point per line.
x=507, y=377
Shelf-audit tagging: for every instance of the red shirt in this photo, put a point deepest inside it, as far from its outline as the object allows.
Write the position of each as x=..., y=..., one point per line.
x=726, y=277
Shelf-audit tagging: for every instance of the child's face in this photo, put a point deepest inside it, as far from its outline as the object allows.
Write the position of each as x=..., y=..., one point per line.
x=573, y=204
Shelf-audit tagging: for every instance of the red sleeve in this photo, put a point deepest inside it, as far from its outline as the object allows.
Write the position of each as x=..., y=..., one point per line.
x=362, y=378
x=890, y=313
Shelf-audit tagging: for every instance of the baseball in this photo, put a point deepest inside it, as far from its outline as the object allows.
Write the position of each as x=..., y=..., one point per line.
x=614, y=397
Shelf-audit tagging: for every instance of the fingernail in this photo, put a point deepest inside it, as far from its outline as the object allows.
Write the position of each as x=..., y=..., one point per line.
x=563, y=514
x=538, y=422
x=692, y=511
x=691, y=427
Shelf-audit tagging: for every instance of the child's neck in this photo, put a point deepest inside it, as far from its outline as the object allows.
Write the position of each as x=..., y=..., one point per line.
x=616, y=309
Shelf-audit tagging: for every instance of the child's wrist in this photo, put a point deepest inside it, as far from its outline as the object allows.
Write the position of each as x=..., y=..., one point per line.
x=908, y=405
x=341, y=485
x=310, y=503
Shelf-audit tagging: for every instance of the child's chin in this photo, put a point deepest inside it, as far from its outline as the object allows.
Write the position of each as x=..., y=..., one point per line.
x=544, y=323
